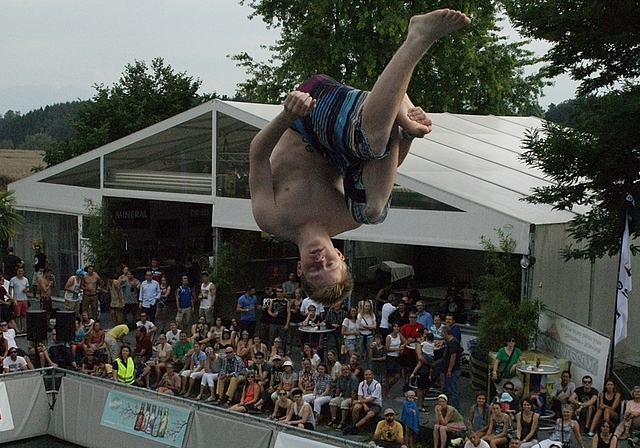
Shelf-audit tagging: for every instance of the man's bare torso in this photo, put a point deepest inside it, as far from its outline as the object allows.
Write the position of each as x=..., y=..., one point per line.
x=306, y=189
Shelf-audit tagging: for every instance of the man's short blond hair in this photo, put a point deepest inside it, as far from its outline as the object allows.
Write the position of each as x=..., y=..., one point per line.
x=328, y=295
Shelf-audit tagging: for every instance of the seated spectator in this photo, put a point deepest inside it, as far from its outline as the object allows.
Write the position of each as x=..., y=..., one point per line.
x=277, y=371
x=281, y=406
x=212, y=366
x=584, y=400
x=89, y=362
x=201, y=334
x=300, y=413
x=563, y=433
x=306, y=377
x=13, y=362
x=499, y=425
x=356, y=368
x=251, y=393
x=232, y=374
x=162, y=357
x=631, y=416
x=181, y=351
x=369, y=402
x=95, y=339
x=346, y=393
x=193, y=369
x=605, y=439
x=141, y=372
x=448, y=421
x=609, y=407
x=388, y=432
x=147, y=324
x=124, y=366
x=309, y=353
x=215, y=332
x=200, y=325
x=86, y=321
x=322, y=391
x=173, y=335
x=143, y=344
x=277, y=343
x=475, y=441
x=170, y=382
x=257, y=347
x=104, y=369
x=561, y=393
x=333, y=366
x=78, y=344
x=527, y=425
x=509, y=399
x=479, y=415
x=262, y=370
x=243, y=348
x=41, y=356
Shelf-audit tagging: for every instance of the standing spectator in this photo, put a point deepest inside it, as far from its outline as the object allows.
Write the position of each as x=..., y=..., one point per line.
x=290, y=286
x=351, y=331
x=72, y=292
x=412, y=332
x=333, y=319
x=130, y=290
x=10, y=264
x=184, y=303
x=207, y=298
x=278, y=312
x=18, y=289
x=247, y=305
x=116, y=305
x=45, y=286
x=149, y=295
x=294, y=318
x=400, y=315
x=367, y=325
x=450, y=320
x=369, y=402
x=387, y=310
x=40, y=261
x=423, y=316
x=394, y=344
x=114, y=339
x=263, y=316
x=163, y=303
x=91, y=282
x=451, y=367
x=410, y=417
x=156, y=271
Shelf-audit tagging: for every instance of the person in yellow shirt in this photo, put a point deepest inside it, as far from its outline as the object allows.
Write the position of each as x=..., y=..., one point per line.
x=114, y=338
x=388, y=432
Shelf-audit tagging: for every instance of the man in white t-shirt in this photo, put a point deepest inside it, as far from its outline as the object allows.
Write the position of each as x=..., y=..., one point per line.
x=387, y=309
x=475, y=441
x=13, y=362
x=147, y=324
x=207, y=298
x=18, y=289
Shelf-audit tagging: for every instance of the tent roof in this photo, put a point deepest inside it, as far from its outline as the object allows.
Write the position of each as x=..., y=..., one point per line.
x=468, y=167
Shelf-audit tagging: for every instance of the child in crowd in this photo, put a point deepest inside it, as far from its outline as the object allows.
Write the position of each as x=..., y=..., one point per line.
x=410, y=417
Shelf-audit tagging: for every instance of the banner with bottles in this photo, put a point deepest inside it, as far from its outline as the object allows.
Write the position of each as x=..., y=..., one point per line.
x=153, y=420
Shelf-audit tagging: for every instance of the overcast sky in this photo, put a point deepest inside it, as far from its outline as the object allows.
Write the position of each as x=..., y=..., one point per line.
x=55, y=51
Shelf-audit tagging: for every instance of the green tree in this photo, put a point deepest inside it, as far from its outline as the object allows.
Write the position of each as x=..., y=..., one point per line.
x=104, y=239
x=9, y=219
x=595, y=156
x=472, y=71
x=143, y=96
x=503, y=315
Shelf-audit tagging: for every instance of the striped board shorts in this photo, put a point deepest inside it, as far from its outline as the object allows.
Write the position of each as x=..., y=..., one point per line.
x=334, y=131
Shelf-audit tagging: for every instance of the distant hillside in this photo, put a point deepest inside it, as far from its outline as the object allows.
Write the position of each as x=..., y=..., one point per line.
x=16, y=164
x=34, y=129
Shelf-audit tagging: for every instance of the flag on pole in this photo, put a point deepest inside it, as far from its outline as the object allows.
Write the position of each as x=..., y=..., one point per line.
x=624, y=286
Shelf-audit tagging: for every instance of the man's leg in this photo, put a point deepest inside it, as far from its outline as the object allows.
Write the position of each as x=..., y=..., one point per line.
x=382, y=105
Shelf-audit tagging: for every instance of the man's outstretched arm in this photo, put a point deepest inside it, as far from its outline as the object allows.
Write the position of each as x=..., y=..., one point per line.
x=296, y=105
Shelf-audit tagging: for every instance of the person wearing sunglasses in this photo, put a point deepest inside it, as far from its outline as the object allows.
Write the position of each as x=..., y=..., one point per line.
x=504, y=366
x=13, y=362
x=584, y=400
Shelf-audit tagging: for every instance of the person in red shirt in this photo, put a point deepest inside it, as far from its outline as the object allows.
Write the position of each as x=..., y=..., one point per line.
x=411, y=332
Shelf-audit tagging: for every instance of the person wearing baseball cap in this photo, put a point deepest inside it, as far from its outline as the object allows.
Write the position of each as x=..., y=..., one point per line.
x=388, y=432
x=72, y=291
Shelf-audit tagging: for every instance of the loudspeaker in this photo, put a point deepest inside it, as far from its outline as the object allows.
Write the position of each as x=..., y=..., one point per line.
x=65, y=326
x=37, y=325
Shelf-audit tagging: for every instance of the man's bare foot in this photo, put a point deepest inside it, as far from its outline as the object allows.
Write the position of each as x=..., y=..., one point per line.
x=416, y=122
x=428, y=28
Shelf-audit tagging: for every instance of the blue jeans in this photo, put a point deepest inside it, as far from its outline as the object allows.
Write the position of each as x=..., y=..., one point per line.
x=451, y=388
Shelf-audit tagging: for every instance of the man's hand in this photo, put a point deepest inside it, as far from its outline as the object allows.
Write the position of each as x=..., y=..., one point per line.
x=299, y=104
